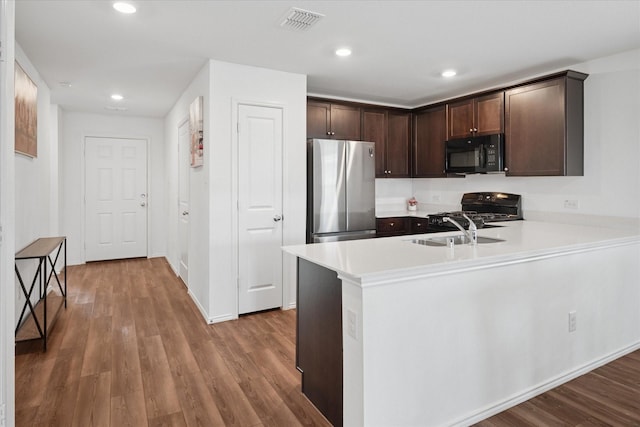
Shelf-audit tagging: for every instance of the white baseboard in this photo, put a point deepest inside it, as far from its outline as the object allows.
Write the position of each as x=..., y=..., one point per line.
x=541, y=388
x=220, y=318
x=291, y=306
x=200, y=307
x=210, y=320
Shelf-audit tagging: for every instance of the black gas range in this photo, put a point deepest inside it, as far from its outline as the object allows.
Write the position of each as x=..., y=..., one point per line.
x=482, y=208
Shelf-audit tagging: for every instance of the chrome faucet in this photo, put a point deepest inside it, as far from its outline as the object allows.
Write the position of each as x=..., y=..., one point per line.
x=472, y=233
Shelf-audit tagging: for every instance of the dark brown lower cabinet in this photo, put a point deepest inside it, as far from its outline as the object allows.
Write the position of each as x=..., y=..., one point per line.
x=419, y=225
x=392, y=226
x=319, y=338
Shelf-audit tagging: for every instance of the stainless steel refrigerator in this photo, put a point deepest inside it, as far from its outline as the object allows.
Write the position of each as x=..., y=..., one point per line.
x=340, y=190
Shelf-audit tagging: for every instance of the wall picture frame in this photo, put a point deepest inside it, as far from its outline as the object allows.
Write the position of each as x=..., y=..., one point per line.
x=196, y=132
x=26, y=113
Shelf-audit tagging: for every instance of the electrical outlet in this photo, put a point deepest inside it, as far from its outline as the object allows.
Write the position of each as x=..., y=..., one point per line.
x=352, y=324
x=572, y=321
x=571, y=204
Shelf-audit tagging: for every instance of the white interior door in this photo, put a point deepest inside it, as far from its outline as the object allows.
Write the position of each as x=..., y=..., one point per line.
x=183, y=200
x=115, y=198
x=259, y=208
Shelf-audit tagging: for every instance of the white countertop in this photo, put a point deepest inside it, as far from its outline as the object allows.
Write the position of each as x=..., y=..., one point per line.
x=422, y=211
x=402, y=213
x=373, y=260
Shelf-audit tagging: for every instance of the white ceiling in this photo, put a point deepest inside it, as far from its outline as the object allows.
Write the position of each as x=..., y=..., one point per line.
x=399, y=47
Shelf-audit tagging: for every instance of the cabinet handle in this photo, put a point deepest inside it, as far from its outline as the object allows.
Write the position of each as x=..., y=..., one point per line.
x=389, y=171
x=506, y=169
x=391, y=224
x=328, y=133
x=333, y=133
x=475, y=129
x=419, y=224
x=471, y=130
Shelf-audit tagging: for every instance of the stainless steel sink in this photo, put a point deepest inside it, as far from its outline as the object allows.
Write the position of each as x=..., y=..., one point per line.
x=458, y=239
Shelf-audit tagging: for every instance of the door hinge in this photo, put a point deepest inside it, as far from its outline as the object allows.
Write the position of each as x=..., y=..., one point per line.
x=238, y=127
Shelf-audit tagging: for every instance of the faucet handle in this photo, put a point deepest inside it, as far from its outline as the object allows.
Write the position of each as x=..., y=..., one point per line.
x=472, y=225
x=473, y=230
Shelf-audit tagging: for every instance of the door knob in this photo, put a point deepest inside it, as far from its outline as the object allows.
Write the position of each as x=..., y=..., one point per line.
x=185, y=213
x=277, y=218
x=143, y=204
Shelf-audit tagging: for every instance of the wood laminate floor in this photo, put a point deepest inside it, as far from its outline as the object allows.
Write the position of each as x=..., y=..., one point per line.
x=132, y=350
x=606, y=396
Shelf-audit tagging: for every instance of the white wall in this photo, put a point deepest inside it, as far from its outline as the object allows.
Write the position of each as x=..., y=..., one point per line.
x=198, y=190
x=231, y=82
x=611, y=156
x=7, y=212
x=213, y=281
x=74, y=128
x=36, y=182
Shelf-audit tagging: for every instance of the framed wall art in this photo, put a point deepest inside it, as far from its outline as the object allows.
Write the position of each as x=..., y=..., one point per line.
x=26, y=120
x=195, y=129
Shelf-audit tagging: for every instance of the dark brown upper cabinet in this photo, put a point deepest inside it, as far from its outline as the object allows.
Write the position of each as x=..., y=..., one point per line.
x=429, y=134
x=333, y=121
x=483, y=115
x=391, y=132
x=544, y=127
x=542, y=120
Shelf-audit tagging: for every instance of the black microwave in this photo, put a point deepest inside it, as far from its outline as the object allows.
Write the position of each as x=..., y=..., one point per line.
x=478, y=154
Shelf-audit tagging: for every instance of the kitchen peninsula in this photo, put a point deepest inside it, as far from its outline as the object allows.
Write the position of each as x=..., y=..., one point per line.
x=433, y=335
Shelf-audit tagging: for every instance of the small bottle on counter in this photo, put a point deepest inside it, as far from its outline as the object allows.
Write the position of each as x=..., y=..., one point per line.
x=412, y=204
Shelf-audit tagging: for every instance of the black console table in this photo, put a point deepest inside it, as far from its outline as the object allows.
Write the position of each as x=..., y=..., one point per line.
x=40, y=319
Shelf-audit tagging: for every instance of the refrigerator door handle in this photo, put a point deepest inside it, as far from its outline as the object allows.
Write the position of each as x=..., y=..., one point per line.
x=360, y=173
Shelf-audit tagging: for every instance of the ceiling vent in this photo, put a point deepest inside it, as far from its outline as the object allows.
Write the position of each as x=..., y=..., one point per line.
x=299, y=19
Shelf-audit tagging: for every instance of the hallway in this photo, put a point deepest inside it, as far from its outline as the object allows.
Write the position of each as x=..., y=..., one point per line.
x=132, y=350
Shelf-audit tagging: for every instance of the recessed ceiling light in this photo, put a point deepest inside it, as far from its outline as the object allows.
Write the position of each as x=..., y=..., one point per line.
x=449, y=73
x=117, y=97
x=123, y=7
x=343, y=51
